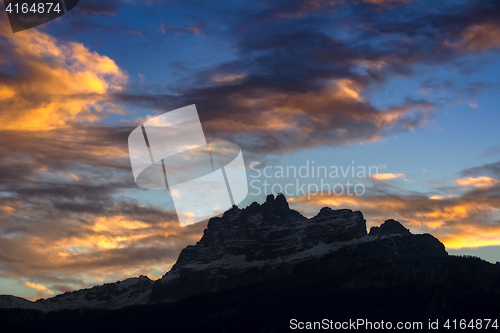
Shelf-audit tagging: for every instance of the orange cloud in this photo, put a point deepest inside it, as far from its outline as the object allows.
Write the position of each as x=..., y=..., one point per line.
x=229, y=78
x=103, y=249
x=196, y=29
x=387, y=176
x=440, y=197
x=309, y=112
x=479, y=182
x=67, y=230
x=58, y=83
x=41, y=290
x=458, y=221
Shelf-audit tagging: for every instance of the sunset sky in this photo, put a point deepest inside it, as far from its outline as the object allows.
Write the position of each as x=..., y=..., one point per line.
x=409, y=87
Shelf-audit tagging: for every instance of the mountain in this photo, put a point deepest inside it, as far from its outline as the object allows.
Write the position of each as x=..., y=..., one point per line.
x=108, y=296
x=270, y=262
x=242, y=247
x=268, y=241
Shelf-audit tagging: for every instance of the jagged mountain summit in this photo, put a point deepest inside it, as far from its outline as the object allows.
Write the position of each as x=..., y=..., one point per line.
x=252, y=245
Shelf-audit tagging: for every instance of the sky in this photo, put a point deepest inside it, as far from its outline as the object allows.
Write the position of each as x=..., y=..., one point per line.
x=406, y=89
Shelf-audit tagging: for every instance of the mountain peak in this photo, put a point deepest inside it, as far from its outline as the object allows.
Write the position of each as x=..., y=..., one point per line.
x=390, y=227
x=278, y=203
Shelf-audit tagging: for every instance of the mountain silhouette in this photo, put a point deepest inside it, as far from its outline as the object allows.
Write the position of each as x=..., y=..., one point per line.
x=257, y=268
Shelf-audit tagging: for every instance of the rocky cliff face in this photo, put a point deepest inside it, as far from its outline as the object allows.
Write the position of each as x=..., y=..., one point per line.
x=260, y=234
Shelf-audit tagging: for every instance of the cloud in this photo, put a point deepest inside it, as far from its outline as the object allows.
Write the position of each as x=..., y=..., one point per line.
x=51, y=84
x=96, y=7
x=387, y=176
x=488, y=169
x=465, y=217
x=90, y=237
x=309, y=73
x=459, y=222
x=479, y=182
x=196, y=29
x=299, y=75
x=41, y=290
x=435, y=182
x=490, y=151
x=66, y=219
x=185, y=29
x=480, y=37
x=299, y=9
x=228, y=78
x=441, y=197
x=58, y=92
x=273, y=120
